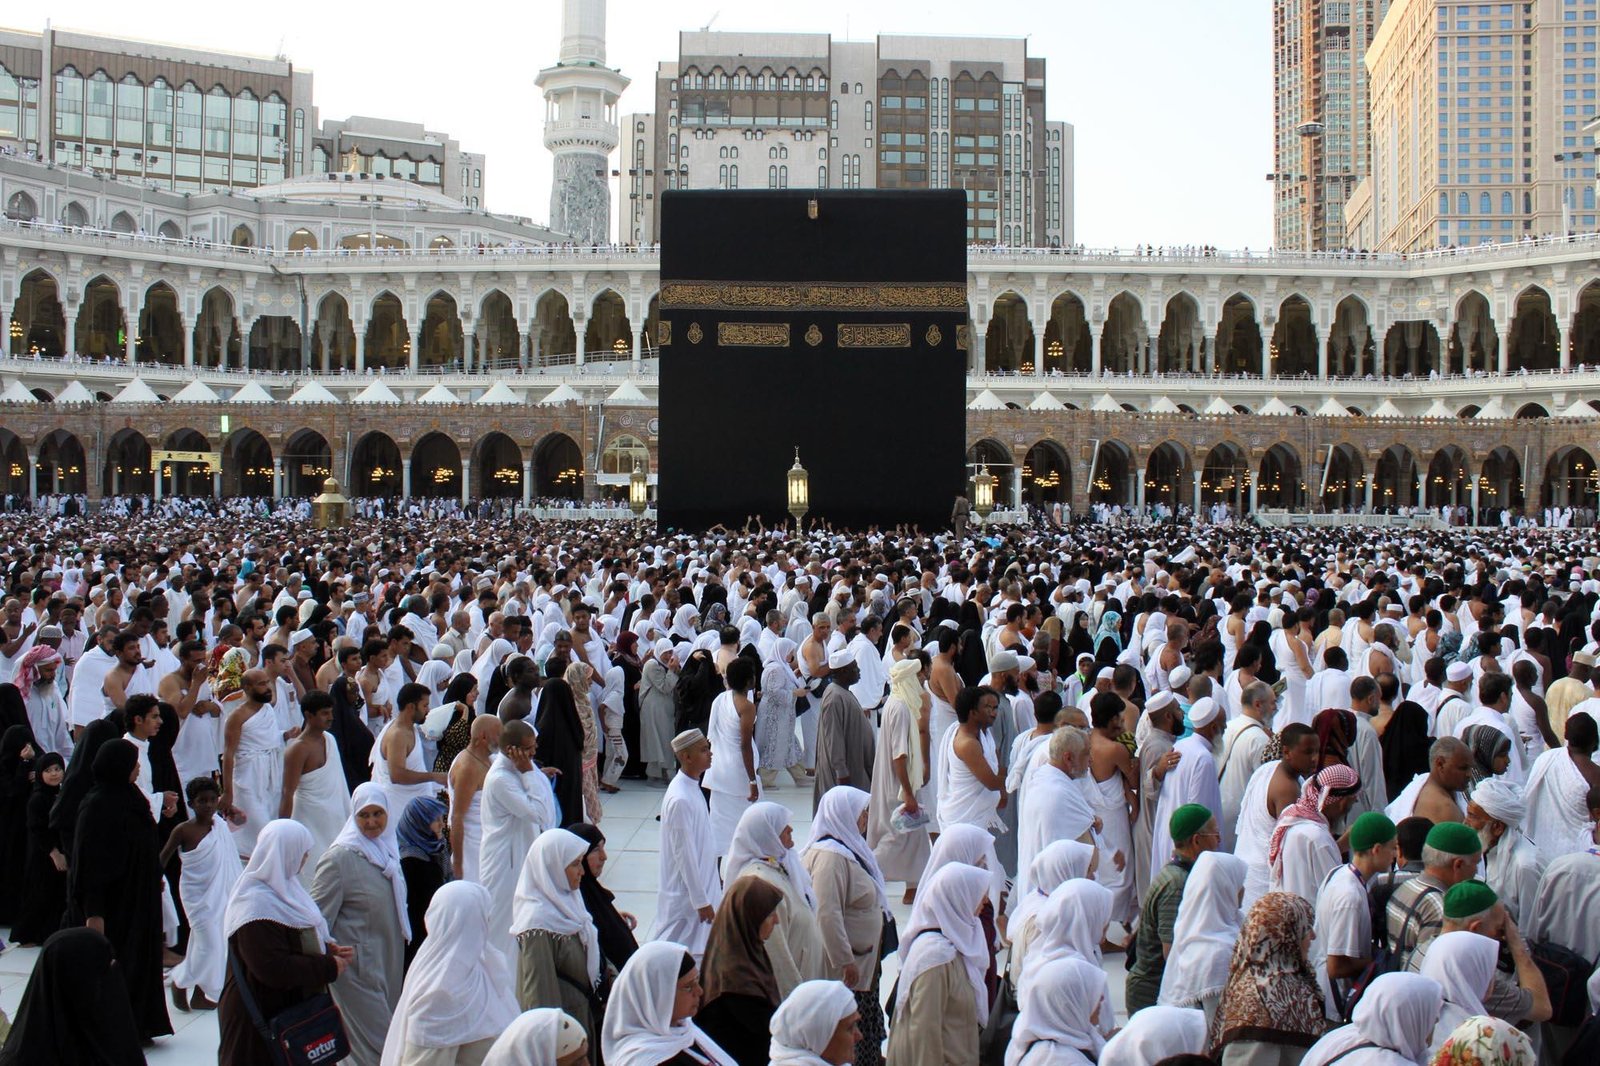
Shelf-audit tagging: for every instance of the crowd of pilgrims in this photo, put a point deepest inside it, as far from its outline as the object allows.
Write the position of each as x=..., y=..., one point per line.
x=1331, y=794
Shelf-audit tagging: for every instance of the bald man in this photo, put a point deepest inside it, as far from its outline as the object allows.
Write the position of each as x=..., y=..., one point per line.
x=252, y=762
x=465, y=784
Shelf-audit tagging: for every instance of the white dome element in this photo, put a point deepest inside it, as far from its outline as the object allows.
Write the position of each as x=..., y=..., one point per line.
x=1332, y=408
x=196, y=391
x=438, y=394
x=986, y=401
x=377, y=392
x=17, y=392
x=313, y=392
x=1218, y=406
x=1387, y=409
x=561, y=394
x=1576, y=409
x=74, y=393
x=354, y=189
x=252, y=393
x=1437, y=409
x=1493, y=409
x=499, y=392
x=1275, y=406
x=1045, y=401
x=1105, y=403
x=628, y=395
x=136, y=391
x=1162, y=405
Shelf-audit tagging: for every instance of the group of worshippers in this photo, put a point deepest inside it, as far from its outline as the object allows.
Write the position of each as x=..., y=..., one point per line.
x=1304, y=781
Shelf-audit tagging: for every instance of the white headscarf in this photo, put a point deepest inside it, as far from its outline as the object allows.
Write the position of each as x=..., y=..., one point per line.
x=484, y=666
x=1396, y=1015
x=1207, y=927
x=968, y=844
x=1056, y=1010
x=943, y=926
x=384, y=852
x=544, y=899
x=757, y=837
x=435, y=674
x=905, y=685
x=537, y=1038
x=1058, y=862
x=683, y=622
x=1072, y=924
x=611, y=691
x=458, y=989
x=804, y=1023
x=661, y=649
x=1463, y=963
x=836, y=818
x=638, y=1026
x=270, y=888
x=1156, y=1033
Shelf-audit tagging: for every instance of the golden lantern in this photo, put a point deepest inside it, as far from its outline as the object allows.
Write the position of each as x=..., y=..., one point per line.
x=983, y=492
x=799, y=490
x=331, y=510
x=638, y=491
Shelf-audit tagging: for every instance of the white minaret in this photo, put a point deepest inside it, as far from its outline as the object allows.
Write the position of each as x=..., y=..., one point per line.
x=580, y=123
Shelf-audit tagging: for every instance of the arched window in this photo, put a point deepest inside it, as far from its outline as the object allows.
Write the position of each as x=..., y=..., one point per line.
x=624, y=455
x=822, y=177
x=1483, y=203
x=772, y=176
x=1505, y=203
x=733, y=176
x=783, y=177
x=1463, y=204
x=833, y=114
x=722, y=176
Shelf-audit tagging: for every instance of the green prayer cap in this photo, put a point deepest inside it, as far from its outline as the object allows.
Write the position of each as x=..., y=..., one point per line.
x=1454, y=838
x=1467, y=898
x=1186, y=821
x=1371, y=829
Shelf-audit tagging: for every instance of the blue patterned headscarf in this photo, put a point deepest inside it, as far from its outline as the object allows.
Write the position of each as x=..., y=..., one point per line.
x=417, y=839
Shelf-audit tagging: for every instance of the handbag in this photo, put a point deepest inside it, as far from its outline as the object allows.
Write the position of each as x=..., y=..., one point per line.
x=1566, y=976
x=889, y=939
x=995, y=1036
x=310, y=1033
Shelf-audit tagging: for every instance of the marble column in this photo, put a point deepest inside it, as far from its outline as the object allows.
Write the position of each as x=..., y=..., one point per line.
x=405, y=479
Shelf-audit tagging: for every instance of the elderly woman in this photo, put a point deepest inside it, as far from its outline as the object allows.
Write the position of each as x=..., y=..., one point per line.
x=815, y=1026
x=650, y=1018
x=1061, y=1017
x=1485, y=1041
x=361, y=892
x=457, y=996
x=741, y=990
x=1055, y=865
x=941, y=1000
x=1390, y=1027
x=541, y=1037
x=763, y=848
x=558, y=949
x=1156, y=1034
x=1203, y=937
x=1463, y=963
x=1271, y=1009
x=658, y=678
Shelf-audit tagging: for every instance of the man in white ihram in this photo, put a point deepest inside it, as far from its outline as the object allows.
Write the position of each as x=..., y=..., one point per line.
x=1193, y=780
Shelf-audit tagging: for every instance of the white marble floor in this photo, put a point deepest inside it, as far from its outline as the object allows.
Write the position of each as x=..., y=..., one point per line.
x=633, y=844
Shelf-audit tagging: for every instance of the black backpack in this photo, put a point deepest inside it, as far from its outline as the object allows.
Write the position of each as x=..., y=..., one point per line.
x=1566, y=976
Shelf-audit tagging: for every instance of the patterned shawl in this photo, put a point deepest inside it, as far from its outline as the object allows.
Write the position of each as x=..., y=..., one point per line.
x=1272, y=994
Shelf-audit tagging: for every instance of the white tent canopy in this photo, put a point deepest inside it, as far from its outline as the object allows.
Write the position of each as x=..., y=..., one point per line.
x=313, y=392
x=1275, y=406
x=196, y=391
x=74, y=393
x=628, y=395
x=561, y=394
x=438, y=394
x=1218, y=406
x=1493, y=409
x=252, y=393
x=1046, y=401
x=1387, y=409
x=1105, y=403
x=986, y=401
x=136, y=391
x=1332, y=408
x=17, y=392
x=377, y=392
x=1437, y=409
x=1576, y=409
x=1163, y=405
x=499, y=392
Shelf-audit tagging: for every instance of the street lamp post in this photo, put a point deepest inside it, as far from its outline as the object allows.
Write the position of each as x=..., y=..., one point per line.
x=638, y=491
x=799, y=491
x=1310, y=131
x=983, y=492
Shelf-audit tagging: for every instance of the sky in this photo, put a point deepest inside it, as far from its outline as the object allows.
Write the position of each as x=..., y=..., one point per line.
x=1171, y=100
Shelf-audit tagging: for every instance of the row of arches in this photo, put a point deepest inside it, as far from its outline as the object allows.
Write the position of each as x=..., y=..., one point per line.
x=161, y=335
x=433, y=466
x=1338, y=479
x=1293, y=346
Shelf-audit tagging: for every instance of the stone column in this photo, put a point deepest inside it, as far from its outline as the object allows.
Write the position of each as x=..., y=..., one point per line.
x=1422, y=488
x=522, y=350
x=1322, y=360
x=1094, y=351
x=188, y=349
x=1255, y=485
x=1038, y=350
x=277, y=477
x=33, y=474
x=979, y=341
x=1368, y=505
x=1151, y=358
x=216, y=484
x=1505, y=351
x=405, y=479
x=1016, y=486
x=580, y=334
x=527, y=482
x=416, y=349
x=638, y=347
x=1138, y=490
x=466, y=481
x=1196, y=503
x=132, y=345
x=5, y=330
x=1472, y=519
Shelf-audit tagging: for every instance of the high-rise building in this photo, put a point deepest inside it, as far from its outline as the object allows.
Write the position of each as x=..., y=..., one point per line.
x=781, y=110
x=580, y=123
x=1478, y=114
x=193, y=120
x=1321, y=145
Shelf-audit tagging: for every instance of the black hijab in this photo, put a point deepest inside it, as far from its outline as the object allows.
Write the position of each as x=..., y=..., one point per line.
x=1405, y=746
x=561, y=746
x=617, y=943
x=75, y=1009
x=13, y=767
x=80, y=777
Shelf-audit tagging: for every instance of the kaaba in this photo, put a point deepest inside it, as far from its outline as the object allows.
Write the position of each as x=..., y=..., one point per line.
x=833, y=322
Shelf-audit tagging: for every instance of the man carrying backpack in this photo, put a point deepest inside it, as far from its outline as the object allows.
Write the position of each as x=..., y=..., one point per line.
x=1345, y=948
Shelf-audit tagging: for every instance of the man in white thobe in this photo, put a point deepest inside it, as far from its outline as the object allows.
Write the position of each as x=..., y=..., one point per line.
x=1512, y=865
x=517, y=806
x=1055, y=806
x=1193, y=780
x=690, y=887
x=1243, y=741
x=1567, y=909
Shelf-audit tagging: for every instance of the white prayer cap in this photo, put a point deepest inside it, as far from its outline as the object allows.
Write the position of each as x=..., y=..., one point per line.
x=1458, y=672
x=1179, y=676
x=442, y=652
x=1204, y=712
x=1275, y=618
x=1584, y=657
x=298, y=637
x=842, y=657
x=1025, y=663
x=1106, y=673
x=1159, y=701
x=1501, y=801
x=687, y=739
x=1003, y=660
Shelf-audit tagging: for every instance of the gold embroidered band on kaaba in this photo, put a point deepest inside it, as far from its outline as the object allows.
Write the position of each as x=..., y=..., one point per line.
x=822, y=296
x=753, y=334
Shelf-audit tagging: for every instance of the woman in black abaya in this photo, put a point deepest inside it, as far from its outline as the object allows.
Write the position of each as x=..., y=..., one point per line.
x=44, y=885
x=561, y=746
x=80, y=779
x=114, y=881
x=17, y=756
x=74, y=1009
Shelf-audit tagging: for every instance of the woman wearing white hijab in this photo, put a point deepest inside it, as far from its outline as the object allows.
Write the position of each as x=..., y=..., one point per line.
x=558, y=950
x=941, y=1001
x=457, y=996
x=776, y=741
x=1072, y=925
x=850, y=893
x=280, y=939
x=650, y=1015
x=1055, y=865
x=684, y=624
x=657, y=711
x=1156, y=1033
x=484, y=666
x=1062, y=1013
x=1392, y=1025
x=1204, y=934
x=815, y=1026
x=540, y=1037
x=763, y=848
x=362, y=893
x=1463, y=964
